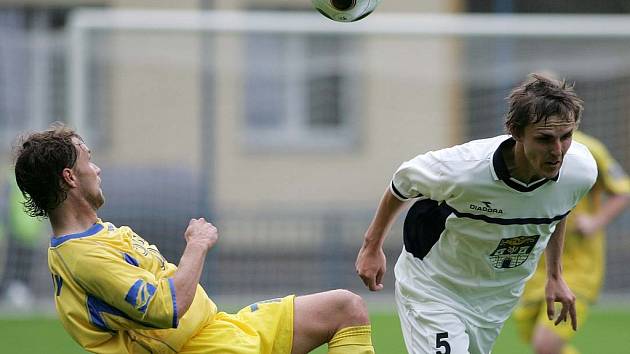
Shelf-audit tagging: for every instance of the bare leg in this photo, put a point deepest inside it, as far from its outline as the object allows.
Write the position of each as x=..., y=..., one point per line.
x=318, y=317
x=546, y=341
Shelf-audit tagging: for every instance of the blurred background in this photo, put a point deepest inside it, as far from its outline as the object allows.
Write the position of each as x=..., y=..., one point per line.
x=282, y=128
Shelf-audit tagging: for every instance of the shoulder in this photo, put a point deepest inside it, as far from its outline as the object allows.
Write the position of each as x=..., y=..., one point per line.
x=474, y=150
x=455, y=159
x=580, y=162
x=601, y=154
x=579, y=152
x=596, y=147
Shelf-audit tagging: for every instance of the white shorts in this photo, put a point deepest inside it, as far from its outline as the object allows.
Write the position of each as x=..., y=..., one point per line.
x=430, y=327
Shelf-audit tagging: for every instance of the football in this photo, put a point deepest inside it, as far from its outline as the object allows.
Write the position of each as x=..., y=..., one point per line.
x=345, y=10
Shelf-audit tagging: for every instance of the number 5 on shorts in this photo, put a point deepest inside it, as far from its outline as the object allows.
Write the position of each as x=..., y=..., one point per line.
x=440, y=342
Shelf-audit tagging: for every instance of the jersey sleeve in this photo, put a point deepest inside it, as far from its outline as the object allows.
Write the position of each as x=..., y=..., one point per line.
x=419, y=177
x=611, y=176
x=117, y=286
x=588, y=171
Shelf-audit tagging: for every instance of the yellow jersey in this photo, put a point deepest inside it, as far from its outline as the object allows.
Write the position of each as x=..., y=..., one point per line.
x=583, y=258
x=114, y=293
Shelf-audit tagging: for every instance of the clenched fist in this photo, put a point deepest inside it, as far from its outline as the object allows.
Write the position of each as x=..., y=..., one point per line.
x=200, y=232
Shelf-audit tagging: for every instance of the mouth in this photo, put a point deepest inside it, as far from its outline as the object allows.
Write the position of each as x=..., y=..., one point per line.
x=553, y=164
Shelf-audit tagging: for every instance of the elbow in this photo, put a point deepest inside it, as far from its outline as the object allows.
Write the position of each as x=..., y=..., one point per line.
x=182, y=309
x=182, y=303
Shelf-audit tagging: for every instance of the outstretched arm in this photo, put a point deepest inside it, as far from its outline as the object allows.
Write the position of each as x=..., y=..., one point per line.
x=371, y=262
x=557, y=289
x=587, y=225
x=200, y=237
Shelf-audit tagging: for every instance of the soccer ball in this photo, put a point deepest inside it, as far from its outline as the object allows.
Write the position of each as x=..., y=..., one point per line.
x=345, y=10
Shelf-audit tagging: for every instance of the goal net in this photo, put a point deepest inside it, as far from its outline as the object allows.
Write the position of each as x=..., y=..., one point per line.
x=283, y=128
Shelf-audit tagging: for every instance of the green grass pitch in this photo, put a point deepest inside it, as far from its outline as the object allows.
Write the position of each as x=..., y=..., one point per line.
x=604, y=332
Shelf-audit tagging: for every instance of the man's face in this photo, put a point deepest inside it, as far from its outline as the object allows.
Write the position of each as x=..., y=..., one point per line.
x=88, y=175
x=545, y=143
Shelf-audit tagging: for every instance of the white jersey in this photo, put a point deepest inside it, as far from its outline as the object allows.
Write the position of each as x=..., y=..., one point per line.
x=474, y=236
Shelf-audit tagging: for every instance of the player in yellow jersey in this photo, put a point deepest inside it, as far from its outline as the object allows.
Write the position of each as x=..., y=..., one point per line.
x=115, y=293
x=583, y=257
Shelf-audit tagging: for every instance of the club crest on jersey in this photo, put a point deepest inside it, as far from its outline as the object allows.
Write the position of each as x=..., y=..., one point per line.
x=486, y=207
x=144, y=248
x=512, y=252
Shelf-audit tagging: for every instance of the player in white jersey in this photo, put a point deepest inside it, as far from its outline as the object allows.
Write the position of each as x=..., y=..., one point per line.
x=483, y=212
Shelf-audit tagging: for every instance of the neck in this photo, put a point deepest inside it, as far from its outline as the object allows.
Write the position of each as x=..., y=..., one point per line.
x=72, y=217
x=517, y=164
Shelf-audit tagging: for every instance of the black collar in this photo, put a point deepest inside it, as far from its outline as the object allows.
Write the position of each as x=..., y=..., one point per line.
x=501, y=170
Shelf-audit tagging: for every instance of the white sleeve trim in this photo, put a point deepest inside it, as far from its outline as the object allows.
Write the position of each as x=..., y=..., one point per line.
x=396, y=193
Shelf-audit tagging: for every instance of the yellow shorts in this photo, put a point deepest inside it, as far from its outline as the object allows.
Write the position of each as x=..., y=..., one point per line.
x=265, y=327
x=528, y=315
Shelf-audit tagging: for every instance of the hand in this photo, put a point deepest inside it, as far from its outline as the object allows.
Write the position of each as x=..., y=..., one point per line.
x=586, y=225
x=557, y=290
x=201, y=232
x=371, y=266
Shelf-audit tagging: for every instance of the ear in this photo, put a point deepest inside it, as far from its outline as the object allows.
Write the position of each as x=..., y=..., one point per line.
x=517, y=135
x=68, y=177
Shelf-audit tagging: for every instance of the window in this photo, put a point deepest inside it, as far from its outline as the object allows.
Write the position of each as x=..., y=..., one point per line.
x=32, y=70
x=300, y=92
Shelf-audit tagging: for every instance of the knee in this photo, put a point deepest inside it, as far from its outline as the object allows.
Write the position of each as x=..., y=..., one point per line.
x=546, y=342
x=539, y=349
x=351, y=308
x=542, y=347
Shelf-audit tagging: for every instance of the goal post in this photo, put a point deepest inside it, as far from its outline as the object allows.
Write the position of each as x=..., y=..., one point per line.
x=466, y=25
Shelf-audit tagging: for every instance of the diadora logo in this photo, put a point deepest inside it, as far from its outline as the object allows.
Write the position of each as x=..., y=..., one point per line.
x=487, y=207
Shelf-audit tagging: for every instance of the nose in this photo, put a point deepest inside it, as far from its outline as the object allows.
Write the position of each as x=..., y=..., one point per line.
x=556, y=148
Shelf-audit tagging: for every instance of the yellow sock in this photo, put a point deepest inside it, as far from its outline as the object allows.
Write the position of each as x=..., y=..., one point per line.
x=569, y=349
x=352, y=340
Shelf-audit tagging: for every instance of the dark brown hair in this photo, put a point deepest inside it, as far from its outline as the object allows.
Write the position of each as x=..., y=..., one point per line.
x=540, y=97
x=40, y=159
